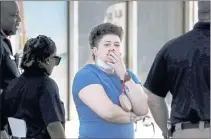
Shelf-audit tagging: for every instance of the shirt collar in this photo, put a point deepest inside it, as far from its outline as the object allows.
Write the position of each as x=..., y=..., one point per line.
x=202, y=25
x=35, y=70
x=3, y=34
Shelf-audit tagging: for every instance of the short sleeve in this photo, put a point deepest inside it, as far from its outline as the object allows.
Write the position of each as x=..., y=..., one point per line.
x=52, y=109
x=83, y=78
x=157, y=79
x=134, y=77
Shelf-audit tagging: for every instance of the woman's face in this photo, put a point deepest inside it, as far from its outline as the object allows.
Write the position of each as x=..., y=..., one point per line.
x=51, y=62
x=106, y=43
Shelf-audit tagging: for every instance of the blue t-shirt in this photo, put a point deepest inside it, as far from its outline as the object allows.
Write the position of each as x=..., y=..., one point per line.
x=91, y=125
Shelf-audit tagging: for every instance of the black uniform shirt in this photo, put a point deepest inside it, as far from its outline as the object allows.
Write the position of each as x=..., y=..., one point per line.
x=182, y=67
x=33, y=97
x=8, y=66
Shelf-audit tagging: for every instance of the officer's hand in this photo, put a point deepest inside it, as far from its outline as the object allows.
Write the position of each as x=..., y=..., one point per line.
x=164, y=136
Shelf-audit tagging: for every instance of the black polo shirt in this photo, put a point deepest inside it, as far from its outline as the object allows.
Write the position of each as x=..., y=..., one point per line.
x=33, y=97
x=8, y=66
x=182, y=67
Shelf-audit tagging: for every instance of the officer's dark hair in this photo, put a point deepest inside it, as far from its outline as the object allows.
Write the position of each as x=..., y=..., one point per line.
x=103, y=29
x=36, y=50
x=204, y=10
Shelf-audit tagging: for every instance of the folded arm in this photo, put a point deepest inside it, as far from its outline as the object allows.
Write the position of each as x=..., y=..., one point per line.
x=137, y=97
x=96, y=99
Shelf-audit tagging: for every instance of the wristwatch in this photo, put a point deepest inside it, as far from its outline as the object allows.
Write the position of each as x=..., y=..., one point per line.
x=127, y=78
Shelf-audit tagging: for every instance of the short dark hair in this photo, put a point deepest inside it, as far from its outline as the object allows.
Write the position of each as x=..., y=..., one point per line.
x=37, y=49
x=103, y=29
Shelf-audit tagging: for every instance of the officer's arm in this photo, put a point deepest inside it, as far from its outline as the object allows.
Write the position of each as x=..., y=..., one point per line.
x=51, y=109
x=56, y=130
x=159, y=110
x=4, y=135
x=156, y=86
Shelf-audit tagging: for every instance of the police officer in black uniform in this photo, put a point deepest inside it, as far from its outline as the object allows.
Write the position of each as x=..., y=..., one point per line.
x=34, y=96
x=182, y=67
x=10, y=20
x=9, y=23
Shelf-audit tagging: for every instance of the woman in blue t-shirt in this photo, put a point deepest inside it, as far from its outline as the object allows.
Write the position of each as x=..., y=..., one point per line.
x=99, y=89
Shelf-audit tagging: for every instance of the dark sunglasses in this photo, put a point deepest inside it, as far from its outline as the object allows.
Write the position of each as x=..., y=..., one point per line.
x=57, y=60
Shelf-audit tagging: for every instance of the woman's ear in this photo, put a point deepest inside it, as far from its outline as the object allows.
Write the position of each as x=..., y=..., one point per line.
x=47, y=61
x=94, y=51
